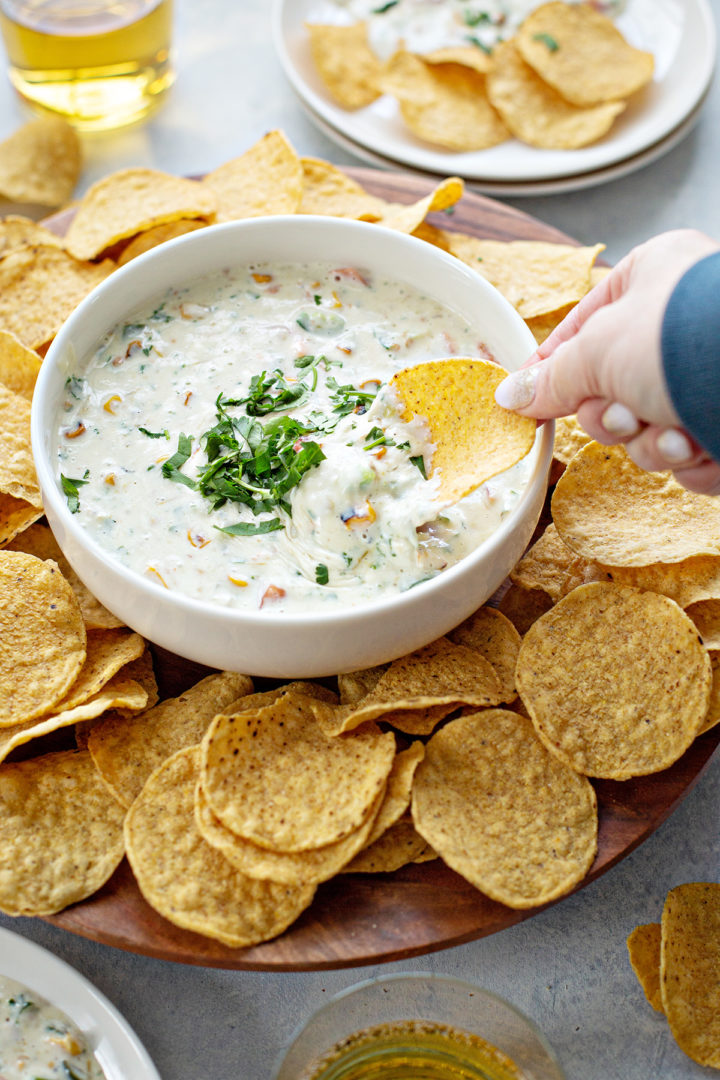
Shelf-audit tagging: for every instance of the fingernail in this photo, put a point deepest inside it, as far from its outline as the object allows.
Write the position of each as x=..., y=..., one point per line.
x=518, y=390
x=674, y=446
x=619, y=420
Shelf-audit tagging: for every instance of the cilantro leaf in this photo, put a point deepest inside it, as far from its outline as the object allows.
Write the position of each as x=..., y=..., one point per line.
x=70, y=490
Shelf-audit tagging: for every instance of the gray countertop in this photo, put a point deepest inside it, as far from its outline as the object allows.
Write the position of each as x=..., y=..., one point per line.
x=567, y=967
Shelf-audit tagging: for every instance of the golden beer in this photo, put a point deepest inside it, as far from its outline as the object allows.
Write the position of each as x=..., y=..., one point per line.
x=413, y=1050
x=97, y=63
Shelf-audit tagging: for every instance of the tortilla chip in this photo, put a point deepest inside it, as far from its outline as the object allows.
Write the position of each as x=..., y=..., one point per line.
x=286, y=867
x=19, y=367
x=353, y=686
x=537, y=277
x=615, y=679
x=523, y=606
x=644, y=951
x=706, y=616
x=345, y=62
x=542, y=326
x=493, y=635
x=536, y=113
x=151, y=238
x=409, y=218
x=40, y=287
x=396, y=799
x=687, y=582
x=418, y=721
x=712, y=716
x=399, y=845
x=107, y=651
x=504, y=812
x=40, y=162
x=441, y=673
x=443, y=103
x=610, y=510
x=186, y=880
x=132, y=200
x=550, y=565
x=466, y=55
x=432, y=235
x=19, y=232
x=38, y=540
x=569, y=438
x=42, y=637
x=119, y=692
x=17, y=467
x=473, y=437
x=16, y=515
x=328, y=190
x=266, y=179
x=126, y=751
x=55, y=803
x=689, y=966
x=582, y=54
x=274, y=777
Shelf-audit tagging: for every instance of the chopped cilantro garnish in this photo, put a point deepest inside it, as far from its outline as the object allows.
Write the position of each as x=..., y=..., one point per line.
x=547, y=40
x=171, y=467
x=164, y=434
x=249, y=463
x=476, y=18
x=160, y=315
x=70, y=490
x=251, y=528
x=349, y=398
x=385, y=7
x=318, y=299
x=322, y=575
x=308, y=360
x=270, y=393
x=419, y=463
x=377, y=437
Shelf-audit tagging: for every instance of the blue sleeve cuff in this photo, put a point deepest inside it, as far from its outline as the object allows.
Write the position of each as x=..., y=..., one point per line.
x=690, y=347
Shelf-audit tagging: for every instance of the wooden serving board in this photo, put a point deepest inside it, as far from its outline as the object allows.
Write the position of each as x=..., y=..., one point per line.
x=359, y=919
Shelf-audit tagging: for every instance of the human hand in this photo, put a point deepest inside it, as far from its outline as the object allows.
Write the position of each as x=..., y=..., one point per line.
x=604, y=363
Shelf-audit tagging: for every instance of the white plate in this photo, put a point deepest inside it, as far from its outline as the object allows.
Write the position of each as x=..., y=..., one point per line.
x=679, y=33
x=529, y=187
x=115, y=1045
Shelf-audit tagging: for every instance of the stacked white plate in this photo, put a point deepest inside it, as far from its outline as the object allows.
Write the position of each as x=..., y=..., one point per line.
x=679, y=33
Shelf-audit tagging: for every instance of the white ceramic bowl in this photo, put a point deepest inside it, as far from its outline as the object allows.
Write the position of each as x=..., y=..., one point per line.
x=261, y=642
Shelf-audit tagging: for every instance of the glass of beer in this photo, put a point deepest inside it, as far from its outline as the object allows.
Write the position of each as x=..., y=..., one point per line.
x=401, y=1027
x=97, y=63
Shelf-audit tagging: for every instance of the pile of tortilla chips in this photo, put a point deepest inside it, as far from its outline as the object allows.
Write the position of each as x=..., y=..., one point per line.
x=677, y=962
x=234, y=805
x=559, y=83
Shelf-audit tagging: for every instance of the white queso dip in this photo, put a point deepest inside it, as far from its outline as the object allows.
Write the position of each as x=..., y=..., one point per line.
x=38, y=1041
x=236, y=441
x=425, y=25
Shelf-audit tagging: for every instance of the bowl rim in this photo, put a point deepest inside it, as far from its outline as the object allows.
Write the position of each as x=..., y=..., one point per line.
x=43, y=407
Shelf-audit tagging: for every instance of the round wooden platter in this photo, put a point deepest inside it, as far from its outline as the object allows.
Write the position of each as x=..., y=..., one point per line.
x=358, y=919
